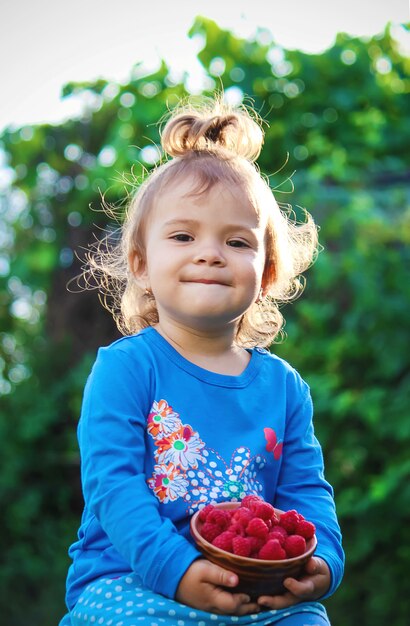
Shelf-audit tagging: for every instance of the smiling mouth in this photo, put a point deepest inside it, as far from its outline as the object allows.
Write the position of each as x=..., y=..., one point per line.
x=204, y=281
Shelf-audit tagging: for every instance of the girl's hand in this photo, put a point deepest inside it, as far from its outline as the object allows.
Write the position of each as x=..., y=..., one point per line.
x=312, y=586
x=202, y=588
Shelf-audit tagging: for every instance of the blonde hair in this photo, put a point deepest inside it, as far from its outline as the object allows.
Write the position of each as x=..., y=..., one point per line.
x=212, y=143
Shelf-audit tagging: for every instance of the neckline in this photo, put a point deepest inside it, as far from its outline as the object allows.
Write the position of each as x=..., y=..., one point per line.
x=214, y=378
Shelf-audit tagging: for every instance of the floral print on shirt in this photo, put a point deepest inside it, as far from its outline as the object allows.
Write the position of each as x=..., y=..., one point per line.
x=168, y=483
x=186, y=468
x=162, y=420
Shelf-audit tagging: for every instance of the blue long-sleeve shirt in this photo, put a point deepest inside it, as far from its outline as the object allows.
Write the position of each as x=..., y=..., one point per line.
x=161, y=437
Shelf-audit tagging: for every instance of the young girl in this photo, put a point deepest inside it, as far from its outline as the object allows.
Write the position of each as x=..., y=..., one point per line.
x=189, y=408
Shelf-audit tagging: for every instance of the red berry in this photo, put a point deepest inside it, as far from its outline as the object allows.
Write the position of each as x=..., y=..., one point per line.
x=295, y=545
x=224, y=541
x=289, y=520
x=203, y=513
x=247, y=500
x=279, y=530
x=242, y=516
x=305, y=529
x=219, y=517
x=275, y=519
x=237, y=529
x=272, y=551
x=261, y=509
x=256, y=544
x=210, y=531
x=241, y=546
x=278, y=533
x=257, y=528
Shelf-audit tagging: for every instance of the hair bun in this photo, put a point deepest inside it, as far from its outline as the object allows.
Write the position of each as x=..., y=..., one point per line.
x=221, y=128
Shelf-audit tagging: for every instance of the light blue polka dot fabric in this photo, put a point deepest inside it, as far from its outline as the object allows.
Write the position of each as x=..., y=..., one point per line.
x=123, y=602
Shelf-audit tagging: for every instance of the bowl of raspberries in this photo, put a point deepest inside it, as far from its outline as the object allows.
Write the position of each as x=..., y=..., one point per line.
x=261, y=544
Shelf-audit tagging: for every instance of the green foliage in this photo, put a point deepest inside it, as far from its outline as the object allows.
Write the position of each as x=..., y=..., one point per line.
x=340, y=120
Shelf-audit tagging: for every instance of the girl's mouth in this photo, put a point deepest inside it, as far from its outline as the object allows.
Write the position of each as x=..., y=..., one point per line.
x=205, y=281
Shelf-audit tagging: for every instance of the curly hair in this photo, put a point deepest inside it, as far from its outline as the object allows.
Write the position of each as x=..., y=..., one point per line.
x=208, y=144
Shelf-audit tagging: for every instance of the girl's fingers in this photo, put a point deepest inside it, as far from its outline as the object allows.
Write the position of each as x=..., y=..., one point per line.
x=297, y=590
x=311, y=566
x=236, y=604
x=220, y=577
x=247, y=608
x=228, y=601
x=300, y=588
x=315, y=566
x=277, y=602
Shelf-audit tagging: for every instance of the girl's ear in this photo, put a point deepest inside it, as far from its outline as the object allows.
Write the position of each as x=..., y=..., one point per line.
x=138, y=269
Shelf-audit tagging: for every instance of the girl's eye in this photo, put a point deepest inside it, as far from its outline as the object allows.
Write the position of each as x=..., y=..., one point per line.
x=182, y=237
x=238, y=243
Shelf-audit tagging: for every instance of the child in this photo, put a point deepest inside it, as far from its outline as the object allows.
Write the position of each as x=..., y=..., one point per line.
x=189, y=408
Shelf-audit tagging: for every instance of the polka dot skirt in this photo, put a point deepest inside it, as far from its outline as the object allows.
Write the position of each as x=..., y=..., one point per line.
x=123, y=602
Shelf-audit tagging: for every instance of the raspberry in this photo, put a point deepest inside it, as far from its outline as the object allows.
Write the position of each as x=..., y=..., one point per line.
x=272, y=551
x=261, y=509
x=289, y=520
x=242, y=516
x=275, y=519
x=305, y=529
x=241, y=546
x=279, y=533
x=203, y=513
x=210, y=531
x=247, y=500
x=256, y=544
x=257, y=528
x=219, y=517
x=279, y=530
x=224, y=541
x=295, y=545
x=237, y=529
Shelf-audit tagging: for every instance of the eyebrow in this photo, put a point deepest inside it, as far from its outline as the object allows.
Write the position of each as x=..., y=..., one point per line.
x=190, y=222
x=176, y=222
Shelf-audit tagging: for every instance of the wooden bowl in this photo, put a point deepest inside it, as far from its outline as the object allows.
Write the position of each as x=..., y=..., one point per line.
x=256, y=576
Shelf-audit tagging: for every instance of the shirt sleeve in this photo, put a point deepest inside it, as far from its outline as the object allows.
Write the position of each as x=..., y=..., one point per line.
x=111, y=438
x=302, y=484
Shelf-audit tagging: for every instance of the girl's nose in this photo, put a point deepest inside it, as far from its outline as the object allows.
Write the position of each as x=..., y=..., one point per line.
x=209, y=255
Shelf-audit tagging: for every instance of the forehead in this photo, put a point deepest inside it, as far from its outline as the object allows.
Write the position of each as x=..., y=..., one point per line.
x=223, y=201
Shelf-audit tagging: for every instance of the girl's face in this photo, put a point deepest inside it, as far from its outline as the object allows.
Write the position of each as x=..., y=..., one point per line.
x=205, y=257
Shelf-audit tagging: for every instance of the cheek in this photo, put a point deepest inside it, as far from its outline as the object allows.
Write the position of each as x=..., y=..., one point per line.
x=254, y=276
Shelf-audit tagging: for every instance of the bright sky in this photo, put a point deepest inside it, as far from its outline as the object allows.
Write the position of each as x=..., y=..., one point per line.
x=47, y=43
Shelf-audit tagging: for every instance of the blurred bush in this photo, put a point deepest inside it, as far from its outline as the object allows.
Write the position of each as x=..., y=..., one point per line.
x=337, y=130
